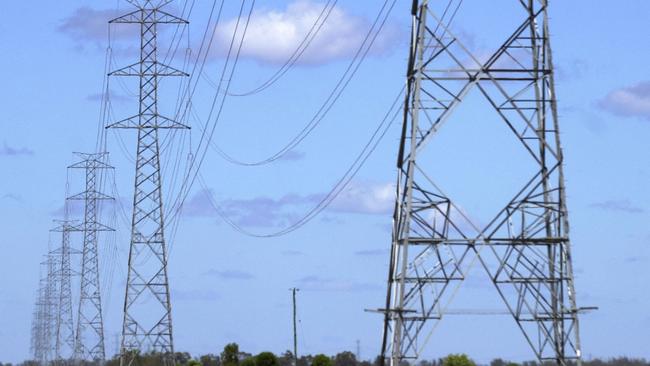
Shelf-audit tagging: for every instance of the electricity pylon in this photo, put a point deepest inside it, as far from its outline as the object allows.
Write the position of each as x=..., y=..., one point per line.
x=89, y=337
x=147, y=324
x=525, y=248
x=64, y=333
x=44, y=322
x=36, y=339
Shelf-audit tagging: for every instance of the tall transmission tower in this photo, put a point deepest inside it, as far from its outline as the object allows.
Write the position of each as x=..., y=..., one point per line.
x=64, y=333
x=36, y=339
x=44, y=322
x=525, y=248
x=89, y=337
x=147, y=324
x=38, y=335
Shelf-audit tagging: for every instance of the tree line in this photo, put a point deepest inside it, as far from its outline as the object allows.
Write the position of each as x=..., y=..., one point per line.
x=233, y=356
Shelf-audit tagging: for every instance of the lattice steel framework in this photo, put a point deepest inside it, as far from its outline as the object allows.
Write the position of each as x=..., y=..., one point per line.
x=89, y=337
x=525, y=248
x=36, y=346
x=147, y=322
x=64, y=337
x=44, y=321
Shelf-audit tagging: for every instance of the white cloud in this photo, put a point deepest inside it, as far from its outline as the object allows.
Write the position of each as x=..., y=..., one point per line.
x=273, y=35
x=633, y=101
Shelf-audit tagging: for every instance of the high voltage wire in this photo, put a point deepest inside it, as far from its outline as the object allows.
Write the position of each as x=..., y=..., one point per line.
x=330, y=101
x=342, y=182
x=339, y=187
x=295, y=56
x=184, y=109
x=205, y=136
x=194, y=173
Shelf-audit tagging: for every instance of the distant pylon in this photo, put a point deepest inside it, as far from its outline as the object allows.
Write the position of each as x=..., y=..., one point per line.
x=39, y=335
x=36, y=339
x=64, y=332
x=527, y=250
x=89, y=337
x=147, y=324
x=44, y=323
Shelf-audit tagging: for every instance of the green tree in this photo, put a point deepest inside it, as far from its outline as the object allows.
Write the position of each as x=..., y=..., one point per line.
x=230, y=355
x=210, y=360
x=305, y=360
x=345, y=358
x=248, y=361
x=182, y=358
x=458, y=360
x=321, y=360
x=286, y=359
x=266, y=359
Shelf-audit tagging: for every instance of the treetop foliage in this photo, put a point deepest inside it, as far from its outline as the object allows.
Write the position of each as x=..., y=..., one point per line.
x=233, y=356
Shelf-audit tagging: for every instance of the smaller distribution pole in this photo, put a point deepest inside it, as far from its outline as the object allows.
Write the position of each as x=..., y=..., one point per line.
x=295, y=329
x=358, y=350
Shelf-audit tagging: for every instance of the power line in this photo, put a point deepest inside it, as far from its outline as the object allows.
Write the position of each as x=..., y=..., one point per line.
x=197, y=159
x=349, y=73
x=339, y=187
x=295, y=56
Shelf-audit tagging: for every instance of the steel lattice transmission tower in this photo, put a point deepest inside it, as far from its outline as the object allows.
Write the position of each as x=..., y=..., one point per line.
x=64, y=333
x=525, y=248
x=44, y=321
x=89, y=337
x=147, y=322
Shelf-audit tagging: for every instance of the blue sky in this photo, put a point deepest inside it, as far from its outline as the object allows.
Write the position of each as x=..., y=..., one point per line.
x=231, y=287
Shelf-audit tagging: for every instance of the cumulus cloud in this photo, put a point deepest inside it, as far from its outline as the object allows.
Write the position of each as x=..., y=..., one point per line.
x=358, y=198
x=632, y=101
x=7, y=150
x=618, y=206
x=273, y=35
x=230, y=274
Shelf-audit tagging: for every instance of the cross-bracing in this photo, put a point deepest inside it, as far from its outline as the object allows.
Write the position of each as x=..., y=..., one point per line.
x=147, y=324
x=524, y=248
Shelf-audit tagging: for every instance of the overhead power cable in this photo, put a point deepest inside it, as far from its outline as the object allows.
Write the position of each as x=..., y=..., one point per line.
x=206, y=136
x=335, y=94
x=336, y=190
x=295, y=56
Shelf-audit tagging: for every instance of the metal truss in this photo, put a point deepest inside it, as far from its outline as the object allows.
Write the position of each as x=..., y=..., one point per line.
x=44, y=316
x=64, y=336
x=525, y=248
x=147, y=324
x=89, y=337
